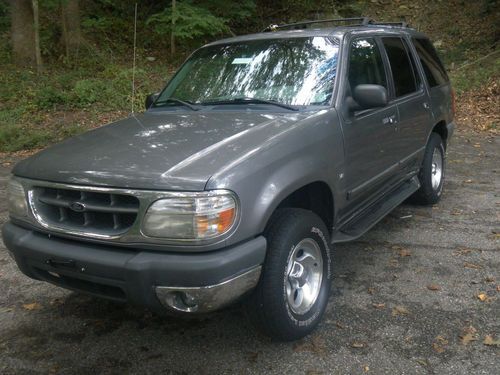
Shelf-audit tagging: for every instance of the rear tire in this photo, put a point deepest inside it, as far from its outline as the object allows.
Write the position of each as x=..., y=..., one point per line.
x=432, y=172
x=294, y=288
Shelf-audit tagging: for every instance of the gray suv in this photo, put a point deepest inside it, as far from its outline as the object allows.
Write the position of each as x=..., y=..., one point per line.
x=260, y=154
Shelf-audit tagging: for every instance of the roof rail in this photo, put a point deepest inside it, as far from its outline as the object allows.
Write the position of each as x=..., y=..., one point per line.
x=355, y=21
x=400, y=24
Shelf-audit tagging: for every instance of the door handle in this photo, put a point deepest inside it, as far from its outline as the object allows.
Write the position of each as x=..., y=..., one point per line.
x=426, y=105
x=391, y=120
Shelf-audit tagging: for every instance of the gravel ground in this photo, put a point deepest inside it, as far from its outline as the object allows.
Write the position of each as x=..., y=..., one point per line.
x=404, y=300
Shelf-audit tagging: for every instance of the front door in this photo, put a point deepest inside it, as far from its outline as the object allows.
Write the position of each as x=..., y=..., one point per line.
x=368, y=134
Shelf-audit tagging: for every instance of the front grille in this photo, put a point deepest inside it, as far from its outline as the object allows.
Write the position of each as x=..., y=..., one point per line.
x=107, y=214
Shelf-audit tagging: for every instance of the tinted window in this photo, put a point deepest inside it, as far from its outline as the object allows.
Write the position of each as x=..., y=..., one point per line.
x=433, y=69
x=416, y=73
x=365, y=64
x=402, y=71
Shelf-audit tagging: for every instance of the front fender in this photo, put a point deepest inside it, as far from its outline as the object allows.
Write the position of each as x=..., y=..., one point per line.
x=309, y=151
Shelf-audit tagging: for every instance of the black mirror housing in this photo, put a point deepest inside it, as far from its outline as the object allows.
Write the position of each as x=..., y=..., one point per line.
x=370, y=96
x=150, y=99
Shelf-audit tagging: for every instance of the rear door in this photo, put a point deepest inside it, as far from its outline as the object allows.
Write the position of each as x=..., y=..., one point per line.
x=367, y=133
x=412, y=101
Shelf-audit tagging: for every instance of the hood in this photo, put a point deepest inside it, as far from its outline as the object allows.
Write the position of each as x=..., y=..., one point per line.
x=157, y=150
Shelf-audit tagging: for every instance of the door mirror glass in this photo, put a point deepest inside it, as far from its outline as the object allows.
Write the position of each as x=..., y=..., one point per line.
x=370, y=96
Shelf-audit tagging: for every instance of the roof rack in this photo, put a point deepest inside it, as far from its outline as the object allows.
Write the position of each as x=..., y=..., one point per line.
x=400, y=24
x=354, y=21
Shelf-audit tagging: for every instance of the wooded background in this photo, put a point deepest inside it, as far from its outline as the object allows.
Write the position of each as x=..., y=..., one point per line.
x=66, y=65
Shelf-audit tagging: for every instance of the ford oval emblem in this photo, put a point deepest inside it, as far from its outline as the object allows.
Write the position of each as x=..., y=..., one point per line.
x=77, y=206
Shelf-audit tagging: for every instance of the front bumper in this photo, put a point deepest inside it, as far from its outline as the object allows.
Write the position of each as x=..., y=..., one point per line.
x=189, y=282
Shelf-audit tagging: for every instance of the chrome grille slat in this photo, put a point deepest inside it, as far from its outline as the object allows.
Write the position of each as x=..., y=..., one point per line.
x=101, y=213
x=91, y=205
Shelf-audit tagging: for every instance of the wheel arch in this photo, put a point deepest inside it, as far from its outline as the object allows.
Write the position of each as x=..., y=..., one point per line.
x=440, y=129
x=316, y=196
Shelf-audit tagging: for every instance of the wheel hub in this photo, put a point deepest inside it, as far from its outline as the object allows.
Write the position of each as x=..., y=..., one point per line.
x=304, y=276
x=436, y=169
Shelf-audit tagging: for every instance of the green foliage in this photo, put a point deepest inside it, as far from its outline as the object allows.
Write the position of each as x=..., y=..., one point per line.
x=190, y=22
x=89, y=91
x=15, y=137
x=48, y=97
x=476, y=74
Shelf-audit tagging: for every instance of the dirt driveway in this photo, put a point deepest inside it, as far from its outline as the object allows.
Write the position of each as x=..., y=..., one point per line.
x=418, y=294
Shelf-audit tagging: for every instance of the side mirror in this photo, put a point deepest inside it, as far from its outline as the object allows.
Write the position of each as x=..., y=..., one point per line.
x=370, y=96
x=150, y=99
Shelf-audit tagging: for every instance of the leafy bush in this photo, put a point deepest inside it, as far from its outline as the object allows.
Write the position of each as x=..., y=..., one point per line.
x=49, y=97
x=190, y=22
x=15, y=138
x=89, y=91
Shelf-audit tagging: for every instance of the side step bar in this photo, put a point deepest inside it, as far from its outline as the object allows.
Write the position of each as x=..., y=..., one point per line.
x=360, y=224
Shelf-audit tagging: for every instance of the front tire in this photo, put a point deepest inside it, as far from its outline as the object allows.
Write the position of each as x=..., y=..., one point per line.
x=432, y=172
x=294, y=288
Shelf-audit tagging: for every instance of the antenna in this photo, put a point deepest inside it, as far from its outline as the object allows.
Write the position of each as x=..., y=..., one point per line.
x=133, y=66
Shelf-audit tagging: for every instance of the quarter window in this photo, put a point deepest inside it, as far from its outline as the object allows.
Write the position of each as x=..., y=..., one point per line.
x=402, y=70
x=433, y=68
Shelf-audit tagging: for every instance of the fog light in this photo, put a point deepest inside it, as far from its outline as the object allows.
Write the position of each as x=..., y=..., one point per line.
x=181, y=301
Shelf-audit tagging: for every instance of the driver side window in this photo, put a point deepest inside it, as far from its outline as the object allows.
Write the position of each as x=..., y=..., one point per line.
x=365, y=65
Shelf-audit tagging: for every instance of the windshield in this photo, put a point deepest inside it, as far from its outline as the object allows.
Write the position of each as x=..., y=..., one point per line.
x=294, y=71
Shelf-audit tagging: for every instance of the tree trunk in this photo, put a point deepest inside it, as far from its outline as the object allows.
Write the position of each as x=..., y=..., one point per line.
x=36, y=28
x=23, y=33
x=172, y=36
x=71, y=33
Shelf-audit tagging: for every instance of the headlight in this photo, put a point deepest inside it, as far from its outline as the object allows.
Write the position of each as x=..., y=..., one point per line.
x=16, y=199
x=191, y=216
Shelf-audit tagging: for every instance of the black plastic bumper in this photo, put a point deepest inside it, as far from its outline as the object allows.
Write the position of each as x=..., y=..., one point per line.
x=125, y=274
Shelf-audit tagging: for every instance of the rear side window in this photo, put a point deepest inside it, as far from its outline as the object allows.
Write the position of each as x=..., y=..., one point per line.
x=365, y=64
x=402, y=69
x=433, y=68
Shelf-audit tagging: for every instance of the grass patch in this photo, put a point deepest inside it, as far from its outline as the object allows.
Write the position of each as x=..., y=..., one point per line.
x=36, y=111
x=15, y=138
x=470, y=77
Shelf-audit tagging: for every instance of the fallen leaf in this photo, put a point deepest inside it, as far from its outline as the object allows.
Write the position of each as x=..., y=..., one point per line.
x=314, y=345
x=482, y=297
x=472, y=266
x=32, y=306
x=399, y=310
x=433, y=287
x=314, y=372
x=366, y=368
x=498, y=288
x=469, y=334
x=371, y=290
x=422, y=362
x=462, y=251
x=489, y=279
x=378, y=305
x=357, y=345
x=404, y=253
x=439, y=344
x=488, y=340
x=339, y=325
x=468, y=181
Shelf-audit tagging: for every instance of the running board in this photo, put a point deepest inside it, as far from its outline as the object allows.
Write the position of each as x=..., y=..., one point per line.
x=361, y=223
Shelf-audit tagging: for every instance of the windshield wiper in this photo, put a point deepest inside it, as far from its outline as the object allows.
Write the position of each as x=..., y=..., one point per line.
x=250, y=100
x=175, y=100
